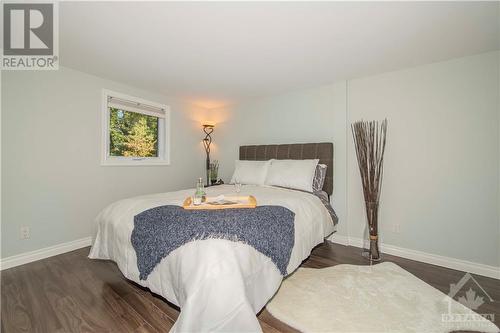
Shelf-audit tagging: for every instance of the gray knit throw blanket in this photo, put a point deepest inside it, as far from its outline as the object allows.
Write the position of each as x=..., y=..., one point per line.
x=160, y=230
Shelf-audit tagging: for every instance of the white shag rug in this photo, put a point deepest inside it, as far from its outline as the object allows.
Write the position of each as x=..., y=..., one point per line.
x=379, y=298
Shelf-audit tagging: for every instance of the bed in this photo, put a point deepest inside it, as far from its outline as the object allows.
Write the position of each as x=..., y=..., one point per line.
x=221, y=284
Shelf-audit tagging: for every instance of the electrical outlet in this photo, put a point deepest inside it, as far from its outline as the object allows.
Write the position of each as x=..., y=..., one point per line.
x=25, y=232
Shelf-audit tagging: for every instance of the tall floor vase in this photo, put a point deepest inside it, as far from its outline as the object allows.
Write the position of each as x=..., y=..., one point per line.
x=372, y=218
x=369, y=142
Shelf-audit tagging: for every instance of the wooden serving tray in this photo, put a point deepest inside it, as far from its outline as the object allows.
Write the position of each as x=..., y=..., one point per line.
x=244, y=202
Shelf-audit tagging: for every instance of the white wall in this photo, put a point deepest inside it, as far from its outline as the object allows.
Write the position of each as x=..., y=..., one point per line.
x=441, y=181
x=52, y=180
x=307, y=116
x=498, y=110
x=441, y=164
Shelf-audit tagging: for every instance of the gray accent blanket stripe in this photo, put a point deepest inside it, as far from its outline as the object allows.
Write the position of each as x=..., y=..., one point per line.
x=325, y=200
x=160, y=230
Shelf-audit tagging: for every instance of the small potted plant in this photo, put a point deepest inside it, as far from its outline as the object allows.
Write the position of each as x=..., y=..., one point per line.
x=214, y=171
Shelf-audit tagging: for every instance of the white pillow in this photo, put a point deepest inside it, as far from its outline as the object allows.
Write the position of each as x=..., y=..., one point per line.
x=295, y=174
x=250, y=172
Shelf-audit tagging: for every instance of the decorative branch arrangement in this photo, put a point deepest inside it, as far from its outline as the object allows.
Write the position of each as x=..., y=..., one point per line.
x=214, y=171
x=369, y=141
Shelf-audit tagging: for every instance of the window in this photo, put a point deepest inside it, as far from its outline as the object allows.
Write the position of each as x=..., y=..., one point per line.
x=135, y=131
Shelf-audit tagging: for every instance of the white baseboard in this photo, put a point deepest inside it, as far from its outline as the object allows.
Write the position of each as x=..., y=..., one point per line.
x=27, y=257
x=339, y=239
x=453, y=263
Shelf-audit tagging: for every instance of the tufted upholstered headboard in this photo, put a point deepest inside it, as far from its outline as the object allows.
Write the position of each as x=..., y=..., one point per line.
x=295, y=151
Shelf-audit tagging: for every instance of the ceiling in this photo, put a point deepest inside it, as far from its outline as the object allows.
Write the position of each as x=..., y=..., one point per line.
x=215, y=53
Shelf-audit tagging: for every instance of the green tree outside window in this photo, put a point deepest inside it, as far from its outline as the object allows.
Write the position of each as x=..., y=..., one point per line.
x=133, y=134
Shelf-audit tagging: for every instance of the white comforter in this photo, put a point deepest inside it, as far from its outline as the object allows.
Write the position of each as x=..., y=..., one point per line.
x=219, y=285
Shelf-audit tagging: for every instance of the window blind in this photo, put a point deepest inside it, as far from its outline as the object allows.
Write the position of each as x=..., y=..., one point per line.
x=126, y=105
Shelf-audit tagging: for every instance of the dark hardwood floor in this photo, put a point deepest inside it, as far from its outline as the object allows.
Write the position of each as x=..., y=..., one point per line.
x=70, y=293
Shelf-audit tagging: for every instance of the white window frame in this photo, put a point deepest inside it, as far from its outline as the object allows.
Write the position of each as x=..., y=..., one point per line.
x=163, y=134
